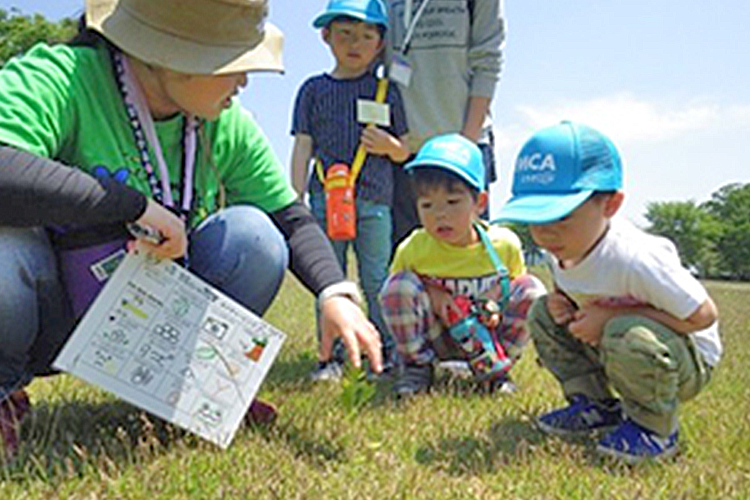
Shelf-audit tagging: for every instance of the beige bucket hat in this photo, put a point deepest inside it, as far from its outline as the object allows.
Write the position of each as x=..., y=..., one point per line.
x=205, y=37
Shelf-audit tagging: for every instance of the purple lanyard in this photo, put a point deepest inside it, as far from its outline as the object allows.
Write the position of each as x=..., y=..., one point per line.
x=144, y=134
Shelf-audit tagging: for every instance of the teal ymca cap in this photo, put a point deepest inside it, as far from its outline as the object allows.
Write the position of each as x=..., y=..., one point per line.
x=367, y=11
x=557, y=170
x=454, y=153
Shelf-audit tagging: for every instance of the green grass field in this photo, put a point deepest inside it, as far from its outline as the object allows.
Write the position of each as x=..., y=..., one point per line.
x=82, y=443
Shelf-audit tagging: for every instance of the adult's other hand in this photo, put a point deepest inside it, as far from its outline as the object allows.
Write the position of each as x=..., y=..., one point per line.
x=343, y=318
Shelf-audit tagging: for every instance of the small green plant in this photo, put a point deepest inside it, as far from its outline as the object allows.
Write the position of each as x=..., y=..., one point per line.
x=357, y=391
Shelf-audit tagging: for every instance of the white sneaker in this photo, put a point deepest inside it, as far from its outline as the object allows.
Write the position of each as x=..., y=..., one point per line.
x=327, y=371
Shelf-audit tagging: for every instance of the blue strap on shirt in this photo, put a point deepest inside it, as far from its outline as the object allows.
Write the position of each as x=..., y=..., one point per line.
x=499, y=266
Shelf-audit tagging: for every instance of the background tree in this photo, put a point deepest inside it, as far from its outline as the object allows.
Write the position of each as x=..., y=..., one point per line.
x=20, y=32
x=531, y=251
x=730, y=206
x=691, y=228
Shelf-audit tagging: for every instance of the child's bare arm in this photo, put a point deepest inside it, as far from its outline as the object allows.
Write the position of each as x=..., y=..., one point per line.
x=379, y=142
x=703, y=317
x=589, y=321
x=301, y=154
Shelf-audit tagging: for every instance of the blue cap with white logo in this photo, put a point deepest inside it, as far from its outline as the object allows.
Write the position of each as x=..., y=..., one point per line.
x=557, y=170
x=367, y=11
x=454, y=153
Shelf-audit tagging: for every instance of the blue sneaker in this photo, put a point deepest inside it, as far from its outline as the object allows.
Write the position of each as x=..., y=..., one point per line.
x=581, y=416
x=632, y=444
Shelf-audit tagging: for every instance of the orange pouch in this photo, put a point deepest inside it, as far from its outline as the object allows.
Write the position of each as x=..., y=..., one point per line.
x=341, y=214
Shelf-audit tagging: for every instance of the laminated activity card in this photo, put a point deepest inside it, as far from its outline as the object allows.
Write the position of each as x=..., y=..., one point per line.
x=164, y=340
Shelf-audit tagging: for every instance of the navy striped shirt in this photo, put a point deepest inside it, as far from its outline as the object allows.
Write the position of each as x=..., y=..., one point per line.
x=326, y=110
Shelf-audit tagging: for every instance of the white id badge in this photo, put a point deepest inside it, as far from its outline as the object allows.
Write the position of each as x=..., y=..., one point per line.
x=400, y=70
x=104, y=268
x=373, y=112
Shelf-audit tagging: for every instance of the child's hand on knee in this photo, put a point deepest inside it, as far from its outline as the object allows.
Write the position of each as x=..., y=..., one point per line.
x=560, y=308
x=490, y=314
x=588, y=323
x=443, y=305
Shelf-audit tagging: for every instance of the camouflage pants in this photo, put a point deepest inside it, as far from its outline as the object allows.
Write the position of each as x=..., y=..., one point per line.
x=648, y=366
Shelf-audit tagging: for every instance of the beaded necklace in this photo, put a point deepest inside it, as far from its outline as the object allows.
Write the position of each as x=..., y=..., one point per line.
x=144, y=133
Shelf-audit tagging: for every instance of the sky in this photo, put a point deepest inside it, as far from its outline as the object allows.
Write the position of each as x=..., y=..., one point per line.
x=668, y=81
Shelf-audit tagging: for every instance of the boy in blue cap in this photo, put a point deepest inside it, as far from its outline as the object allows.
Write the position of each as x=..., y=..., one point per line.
x=458, y=287
x=333, y=115
x=628, y=331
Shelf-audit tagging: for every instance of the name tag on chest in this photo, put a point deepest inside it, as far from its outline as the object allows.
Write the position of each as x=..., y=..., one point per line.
x=400, y=71
x=373, y=112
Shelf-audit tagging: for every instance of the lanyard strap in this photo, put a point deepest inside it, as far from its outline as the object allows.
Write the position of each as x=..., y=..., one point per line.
x=498, y=263
x=361, y=154
x=410, y=23
x=144, y=133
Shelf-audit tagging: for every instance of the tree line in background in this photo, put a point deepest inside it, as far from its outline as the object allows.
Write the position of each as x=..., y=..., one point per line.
x=713, y=238
x=19, y=32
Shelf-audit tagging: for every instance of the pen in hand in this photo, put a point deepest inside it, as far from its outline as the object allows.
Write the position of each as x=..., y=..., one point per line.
x=146, y=233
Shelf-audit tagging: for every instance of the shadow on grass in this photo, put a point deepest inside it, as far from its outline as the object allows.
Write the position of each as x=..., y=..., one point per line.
x=72, y=438
x=508, y=441
x=65, y=439
x=290, y=374
x=512, y=442
x=317, y=451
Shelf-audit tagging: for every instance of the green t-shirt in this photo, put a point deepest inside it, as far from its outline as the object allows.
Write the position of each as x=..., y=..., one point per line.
x=63, y=103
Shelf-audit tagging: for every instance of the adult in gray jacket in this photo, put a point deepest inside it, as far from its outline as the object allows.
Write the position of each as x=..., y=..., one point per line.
x=446, y=56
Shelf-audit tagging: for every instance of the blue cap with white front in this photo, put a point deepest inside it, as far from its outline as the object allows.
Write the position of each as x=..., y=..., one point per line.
x=454, y=153
x=557, y=170
x=367, y=11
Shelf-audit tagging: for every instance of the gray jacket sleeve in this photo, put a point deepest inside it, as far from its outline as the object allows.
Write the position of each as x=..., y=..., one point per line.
x=485, y=47
x=38, y=191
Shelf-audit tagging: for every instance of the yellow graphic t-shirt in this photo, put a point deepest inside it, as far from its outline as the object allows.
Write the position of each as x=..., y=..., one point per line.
x=462, y=270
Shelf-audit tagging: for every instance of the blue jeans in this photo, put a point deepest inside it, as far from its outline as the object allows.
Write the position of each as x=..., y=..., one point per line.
x=239, y=250
x=372, y=246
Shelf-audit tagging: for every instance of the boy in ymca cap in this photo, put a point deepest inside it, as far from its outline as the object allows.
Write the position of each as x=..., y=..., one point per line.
x=628, y=332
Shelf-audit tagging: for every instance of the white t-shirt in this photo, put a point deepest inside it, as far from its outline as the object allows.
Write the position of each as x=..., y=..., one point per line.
x=630, y=266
